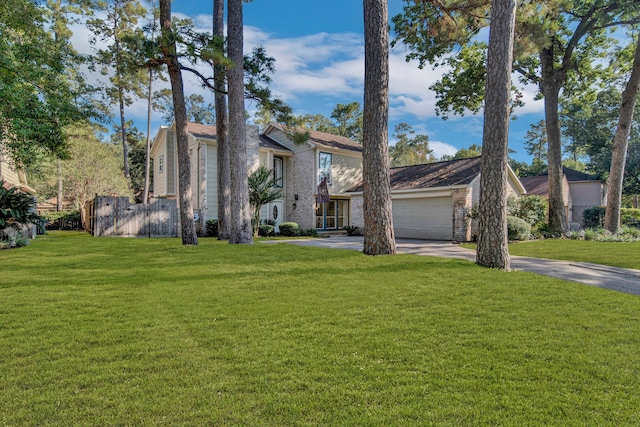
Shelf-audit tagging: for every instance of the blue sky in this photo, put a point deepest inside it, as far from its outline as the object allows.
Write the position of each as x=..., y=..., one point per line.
x=318, y=48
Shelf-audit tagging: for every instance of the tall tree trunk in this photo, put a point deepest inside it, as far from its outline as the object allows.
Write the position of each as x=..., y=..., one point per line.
x=241, y=220
x=378, y=220
x=168, y=46
x=620, y=144
x=552, y=81
x=147, y=160
x=493, y=248
x=60, y=196
x=224, y=177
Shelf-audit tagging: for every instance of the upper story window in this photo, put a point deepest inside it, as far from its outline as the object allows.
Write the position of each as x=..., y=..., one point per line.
x=324, y=167
x=278, y=172
x=161, y=163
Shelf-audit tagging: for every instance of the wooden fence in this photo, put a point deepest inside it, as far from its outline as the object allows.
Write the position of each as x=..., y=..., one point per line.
x=116, y=216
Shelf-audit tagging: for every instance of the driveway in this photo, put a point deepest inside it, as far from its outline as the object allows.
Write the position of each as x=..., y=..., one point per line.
x=613, y=278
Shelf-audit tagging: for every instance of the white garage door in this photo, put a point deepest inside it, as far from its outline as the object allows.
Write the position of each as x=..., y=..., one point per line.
x=430, y=219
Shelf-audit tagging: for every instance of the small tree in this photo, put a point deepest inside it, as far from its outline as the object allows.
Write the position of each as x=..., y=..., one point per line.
x=262, y=190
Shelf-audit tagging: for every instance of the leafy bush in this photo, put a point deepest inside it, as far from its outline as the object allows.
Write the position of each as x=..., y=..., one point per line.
x=266, y=230
x=289, y=229
x=212, y=227
x=630, y=217
x=593, y=217
x=63, y=220
x=518, y=228
x=626, y=234
x=269, y=222
x=352, y=230
x=17, y=209
x=310, y=232
x=532, y=209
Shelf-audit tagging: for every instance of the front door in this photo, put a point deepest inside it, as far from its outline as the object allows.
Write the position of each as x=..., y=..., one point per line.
x=332, y=215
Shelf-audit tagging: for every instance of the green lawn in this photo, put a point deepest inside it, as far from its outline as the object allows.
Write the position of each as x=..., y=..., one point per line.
x=617, y=254
x=108, y=331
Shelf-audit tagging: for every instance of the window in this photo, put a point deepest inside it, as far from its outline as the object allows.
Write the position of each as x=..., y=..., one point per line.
x=278, y=177
x=324, y=167
x=161, y=163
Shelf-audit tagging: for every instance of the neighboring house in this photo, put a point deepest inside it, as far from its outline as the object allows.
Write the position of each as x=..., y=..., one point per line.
x=13, y=177
x=298, y=168
x=580, y=191
x=432, y=201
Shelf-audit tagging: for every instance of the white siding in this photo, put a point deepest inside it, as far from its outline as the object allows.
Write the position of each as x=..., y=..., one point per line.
x=346, y=171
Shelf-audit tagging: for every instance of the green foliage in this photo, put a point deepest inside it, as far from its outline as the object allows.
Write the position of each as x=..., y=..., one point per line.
x=63, y=220
x=589, y=124
x=37, y=97
x=410, y=149
x=533, y=209
x=266, y=230
x=593, y=217
x=630, y=216
x=17, y=209
x=289, y=229
x=212, y=227
x=309, y=232
x=263, y=189
x=626, y=234
x=351, y=230
x=474, y=150
x=346, y=120
x=518, y=228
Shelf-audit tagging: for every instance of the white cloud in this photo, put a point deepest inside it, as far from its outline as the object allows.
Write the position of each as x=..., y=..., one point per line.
x=441, y=148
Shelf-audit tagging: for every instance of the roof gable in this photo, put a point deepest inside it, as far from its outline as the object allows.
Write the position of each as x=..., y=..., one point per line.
x=322, y=139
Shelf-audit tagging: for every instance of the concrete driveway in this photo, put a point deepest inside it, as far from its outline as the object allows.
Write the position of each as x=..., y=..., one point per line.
x=613, y=278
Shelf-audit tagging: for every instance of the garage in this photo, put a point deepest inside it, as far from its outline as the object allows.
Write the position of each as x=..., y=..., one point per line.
x=423, y=218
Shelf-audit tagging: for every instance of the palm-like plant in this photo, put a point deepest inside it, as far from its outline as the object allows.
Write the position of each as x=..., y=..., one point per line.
x=17, y=209
x=262, y=190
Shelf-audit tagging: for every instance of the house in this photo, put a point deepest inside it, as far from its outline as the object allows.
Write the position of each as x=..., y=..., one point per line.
x=432, y=201
x=298, y=168
x=12, y=176
x=580, y=191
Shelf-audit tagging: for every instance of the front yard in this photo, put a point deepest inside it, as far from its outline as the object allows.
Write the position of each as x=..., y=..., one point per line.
x=108, y=331
x=617, y=254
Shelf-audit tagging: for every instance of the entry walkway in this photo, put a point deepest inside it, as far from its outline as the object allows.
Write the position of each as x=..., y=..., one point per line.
x=613, y=278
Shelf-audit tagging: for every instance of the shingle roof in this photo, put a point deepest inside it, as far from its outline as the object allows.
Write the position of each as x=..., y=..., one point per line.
x=430, y=175
x=209, y=132
x=333, y=141
x=536, y=185
x=202, y=131
x=573, y=175
x=266, y=142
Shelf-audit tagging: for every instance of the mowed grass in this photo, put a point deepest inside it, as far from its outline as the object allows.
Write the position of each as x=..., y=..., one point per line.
x=617, y=254
x=108, y=331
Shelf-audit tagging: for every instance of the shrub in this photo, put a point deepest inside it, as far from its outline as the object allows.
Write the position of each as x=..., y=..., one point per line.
x=17, y=209
x=289, y=229
x=266, y=230
x=593, y=217
x=63, y=220
x=212, y=227
x=310, y=232
x=532, y=209
x=518, y=228
x=630, y=217
x=351, y=230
